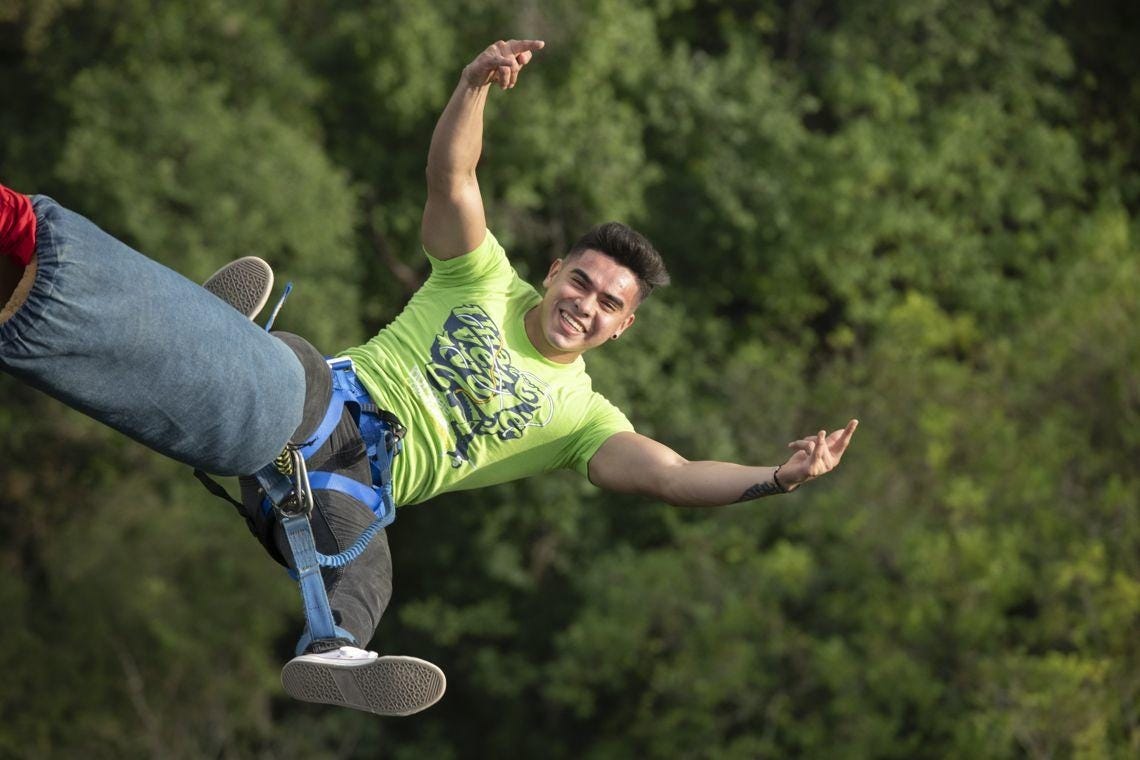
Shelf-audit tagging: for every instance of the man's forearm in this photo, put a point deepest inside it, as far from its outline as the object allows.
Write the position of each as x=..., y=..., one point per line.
x=632, y=463
x=457, y=141
x=714, y=484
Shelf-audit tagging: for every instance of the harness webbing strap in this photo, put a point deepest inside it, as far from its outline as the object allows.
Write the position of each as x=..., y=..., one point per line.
x=276, y=485
x=215, y=488
x=318, y=615
x=328, y=423
x=331, y=481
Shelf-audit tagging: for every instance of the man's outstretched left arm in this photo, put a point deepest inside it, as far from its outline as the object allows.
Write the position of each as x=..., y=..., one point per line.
x=632, y=463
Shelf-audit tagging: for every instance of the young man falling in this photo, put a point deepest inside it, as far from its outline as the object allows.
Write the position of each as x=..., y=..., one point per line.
x=480, y=380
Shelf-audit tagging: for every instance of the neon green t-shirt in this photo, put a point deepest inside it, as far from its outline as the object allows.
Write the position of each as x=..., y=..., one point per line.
x=481, y=404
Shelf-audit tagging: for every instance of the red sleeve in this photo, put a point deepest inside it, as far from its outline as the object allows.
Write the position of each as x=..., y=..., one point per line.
x=17, y=226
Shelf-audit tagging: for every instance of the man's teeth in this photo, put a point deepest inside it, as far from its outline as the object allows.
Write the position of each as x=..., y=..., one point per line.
x=573, y=322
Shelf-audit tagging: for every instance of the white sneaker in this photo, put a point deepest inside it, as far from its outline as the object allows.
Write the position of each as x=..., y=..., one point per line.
x=244, y=284
x=351, y=677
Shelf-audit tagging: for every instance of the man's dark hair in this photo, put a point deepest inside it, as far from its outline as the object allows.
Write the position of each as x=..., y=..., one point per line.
x=629, y=248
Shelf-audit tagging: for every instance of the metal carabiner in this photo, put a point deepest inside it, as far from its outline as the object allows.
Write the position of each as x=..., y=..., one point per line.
x=300, y=501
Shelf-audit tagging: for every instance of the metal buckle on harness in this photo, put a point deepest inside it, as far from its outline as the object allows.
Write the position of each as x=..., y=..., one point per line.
x=300, y=501
x=286, y=483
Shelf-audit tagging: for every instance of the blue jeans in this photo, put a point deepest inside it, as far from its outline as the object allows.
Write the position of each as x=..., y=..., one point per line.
x=142, y=349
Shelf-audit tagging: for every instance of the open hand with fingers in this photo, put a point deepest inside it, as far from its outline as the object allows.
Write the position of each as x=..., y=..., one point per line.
x=815, y=455
x=501, y=62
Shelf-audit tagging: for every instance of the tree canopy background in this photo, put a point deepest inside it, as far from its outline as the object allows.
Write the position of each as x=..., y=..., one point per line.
x=921, y=213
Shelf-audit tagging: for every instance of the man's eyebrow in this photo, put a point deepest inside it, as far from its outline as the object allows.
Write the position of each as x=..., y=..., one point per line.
x=617, y=301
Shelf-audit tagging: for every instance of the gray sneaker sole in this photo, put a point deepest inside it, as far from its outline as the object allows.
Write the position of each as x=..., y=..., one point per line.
x=244, y=284
x=393, y=685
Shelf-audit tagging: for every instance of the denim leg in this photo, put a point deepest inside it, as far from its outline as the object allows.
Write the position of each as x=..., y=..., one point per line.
x=146, y=351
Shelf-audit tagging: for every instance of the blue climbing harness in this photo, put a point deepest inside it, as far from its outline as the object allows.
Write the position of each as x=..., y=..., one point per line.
x=289, y=487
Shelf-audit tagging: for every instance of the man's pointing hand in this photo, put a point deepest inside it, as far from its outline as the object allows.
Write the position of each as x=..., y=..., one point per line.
x=501, y=62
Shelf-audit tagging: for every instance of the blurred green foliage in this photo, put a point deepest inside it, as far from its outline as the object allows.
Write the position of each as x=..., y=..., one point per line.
x=916, y=212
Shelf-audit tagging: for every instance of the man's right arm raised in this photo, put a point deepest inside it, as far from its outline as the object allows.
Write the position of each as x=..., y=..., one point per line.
x=453, y=222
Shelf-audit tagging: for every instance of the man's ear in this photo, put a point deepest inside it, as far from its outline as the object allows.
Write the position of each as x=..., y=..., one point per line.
x=625, y=323
x=555, y=267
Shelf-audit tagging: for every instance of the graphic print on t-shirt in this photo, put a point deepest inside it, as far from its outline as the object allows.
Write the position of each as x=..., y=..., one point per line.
x=485, y=393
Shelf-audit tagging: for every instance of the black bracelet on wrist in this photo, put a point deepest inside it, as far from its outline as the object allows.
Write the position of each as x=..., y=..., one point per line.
x=777, y=480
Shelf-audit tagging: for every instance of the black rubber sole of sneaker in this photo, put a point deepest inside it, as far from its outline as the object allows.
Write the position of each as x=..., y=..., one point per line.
x=244, y=284
x=393, y=685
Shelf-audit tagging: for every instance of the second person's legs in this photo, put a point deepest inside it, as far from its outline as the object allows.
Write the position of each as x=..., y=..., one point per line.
x=146, y=351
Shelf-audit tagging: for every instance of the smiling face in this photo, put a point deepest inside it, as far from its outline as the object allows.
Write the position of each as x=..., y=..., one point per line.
x=589, y=299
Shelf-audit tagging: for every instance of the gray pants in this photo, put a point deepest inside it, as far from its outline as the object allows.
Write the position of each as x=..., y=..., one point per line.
x=359, y=592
